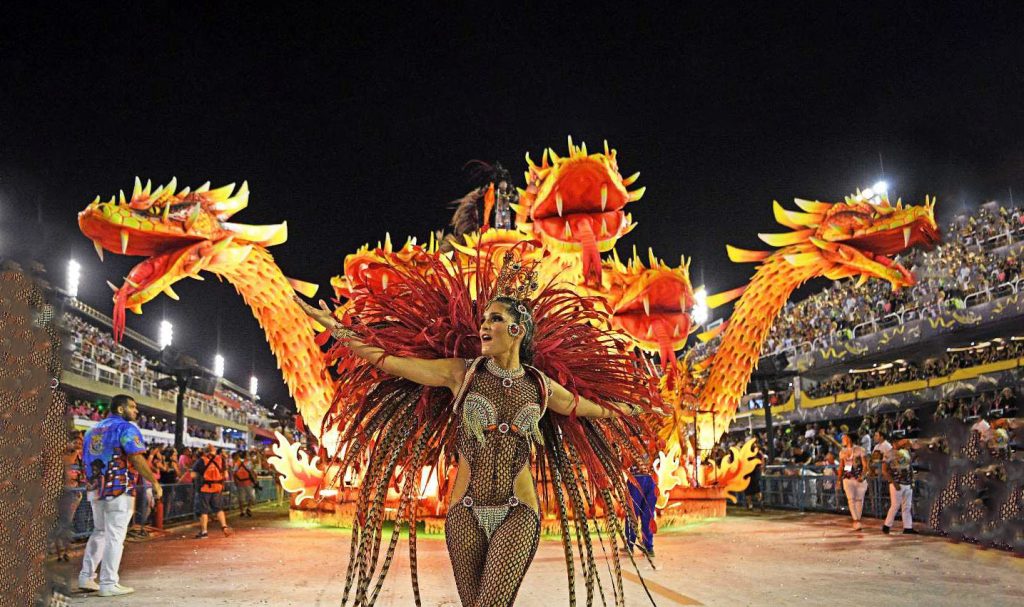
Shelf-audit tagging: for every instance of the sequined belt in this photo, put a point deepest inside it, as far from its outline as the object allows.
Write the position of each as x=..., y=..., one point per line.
x=490, y=517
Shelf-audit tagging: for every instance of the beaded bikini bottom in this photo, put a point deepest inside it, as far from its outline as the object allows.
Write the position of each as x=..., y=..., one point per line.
x=491, y=517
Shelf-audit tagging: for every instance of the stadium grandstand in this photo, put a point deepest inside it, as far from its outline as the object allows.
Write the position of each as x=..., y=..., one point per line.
x=98, y=367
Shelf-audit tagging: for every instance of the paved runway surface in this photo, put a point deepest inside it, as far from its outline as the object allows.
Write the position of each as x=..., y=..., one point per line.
x=767, y=559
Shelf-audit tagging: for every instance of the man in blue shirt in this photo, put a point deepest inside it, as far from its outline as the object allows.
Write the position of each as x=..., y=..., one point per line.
x=107, y=449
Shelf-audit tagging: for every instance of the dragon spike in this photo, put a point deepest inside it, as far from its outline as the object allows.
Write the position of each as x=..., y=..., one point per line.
x=120, y=197
x=799, y=260
x=554, y=156
x=628, y=181
x=148, y=189
x=222, y=193
x=137, y=190
x=184, y=192
x=718, y=299
x=167, y=211
x=169, y=292
x=812, y=206
x=651, y=259
x=387, y=242
x=824, y=244
x=606, y=148
x=784, y=240
x=570, y=146
x=112, y=286
x=518, y=208
x=737, y=255
x=792, y=219
x=707, y=336
x=228, y=207
x=583, y=149
x=193, y=215
x=637, y=194
x=95, y=201
x=265, y=235
x=203, y=188
x=306, y=288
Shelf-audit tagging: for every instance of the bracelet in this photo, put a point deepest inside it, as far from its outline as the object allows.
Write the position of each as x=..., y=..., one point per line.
x=343, y=333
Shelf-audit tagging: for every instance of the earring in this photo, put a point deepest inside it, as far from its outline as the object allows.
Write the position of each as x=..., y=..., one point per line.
x=513, y=329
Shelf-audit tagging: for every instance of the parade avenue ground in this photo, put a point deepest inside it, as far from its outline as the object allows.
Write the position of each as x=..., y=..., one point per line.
x=777, y=558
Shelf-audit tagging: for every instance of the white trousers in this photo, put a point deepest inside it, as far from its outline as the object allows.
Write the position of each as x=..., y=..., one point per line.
x=855, y=491
x=110, y=519
x=900, y=499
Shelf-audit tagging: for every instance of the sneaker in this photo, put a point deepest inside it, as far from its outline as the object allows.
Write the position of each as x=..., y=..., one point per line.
x=885, y=529
x=87, y=585
x=202, y=535
x=910, y=532
x=227, y=531
x=115, y=590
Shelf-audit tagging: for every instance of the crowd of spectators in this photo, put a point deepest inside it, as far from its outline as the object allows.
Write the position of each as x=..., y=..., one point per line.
x=817, y=444
x=971, y=261
x=96, y=346
x=902, y=371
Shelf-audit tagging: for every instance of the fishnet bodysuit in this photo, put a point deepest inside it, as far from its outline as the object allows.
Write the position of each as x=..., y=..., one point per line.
x=489, y=549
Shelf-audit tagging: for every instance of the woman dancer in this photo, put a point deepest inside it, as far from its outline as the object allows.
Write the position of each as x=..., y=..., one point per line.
x=500, y=405
x=853, y=465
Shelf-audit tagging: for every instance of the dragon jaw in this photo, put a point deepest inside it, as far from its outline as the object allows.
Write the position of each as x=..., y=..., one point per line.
x=576, y=203
x=180, y=234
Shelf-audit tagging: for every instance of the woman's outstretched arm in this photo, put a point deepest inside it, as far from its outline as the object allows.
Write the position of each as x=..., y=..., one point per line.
x=446, y=372
x=561, y=401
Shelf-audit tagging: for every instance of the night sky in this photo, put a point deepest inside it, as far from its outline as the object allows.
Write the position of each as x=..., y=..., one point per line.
x=348, y=124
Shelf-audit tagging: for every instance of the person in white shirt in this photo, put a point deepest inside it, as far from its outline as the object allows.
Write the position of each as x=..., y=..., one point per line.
x=853, y=466
x=882, y=445
x=897, y=470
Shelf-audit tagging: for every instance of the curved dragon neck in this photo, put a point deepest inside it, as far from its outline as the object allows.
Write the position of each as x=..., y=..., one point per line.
x=266, y=290
x=737, y=355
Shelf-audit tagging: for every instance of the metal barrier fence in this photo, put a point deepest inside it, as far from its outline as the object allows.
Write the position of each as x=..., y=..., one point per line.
x=178, y=504
x=819, y=493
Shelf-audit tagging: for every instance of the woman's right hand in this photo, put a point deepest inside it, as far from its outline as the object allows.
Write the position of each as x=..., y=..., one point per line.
x=322, y=315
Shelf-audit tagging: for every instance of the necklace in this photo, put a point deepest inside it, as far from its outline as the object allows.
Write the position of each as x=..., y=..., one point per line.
x=507, y=376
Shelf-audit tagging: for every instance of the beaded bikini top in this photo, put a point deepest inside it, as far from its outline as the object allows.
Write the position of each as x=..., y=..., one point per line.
x=481, y=414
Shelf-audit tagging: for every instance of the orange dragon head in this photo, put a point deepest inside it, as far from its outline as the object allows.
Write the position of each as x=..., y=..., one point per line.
x=651, y=305
x=180, y=233
x=576, y=203
x=851, y=238
x=370, y=266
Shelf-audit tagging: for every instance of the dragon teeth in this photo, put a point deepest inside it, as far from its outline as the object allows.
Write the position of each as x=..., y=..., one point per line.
x=99, y=249
x=558, y=203
x=604, y=197
x=124, y=242
x=906, y=237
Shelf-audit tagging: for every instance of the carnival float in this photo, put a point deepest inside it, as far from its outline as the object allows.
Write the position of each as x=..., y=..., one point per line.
x=566, y=219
